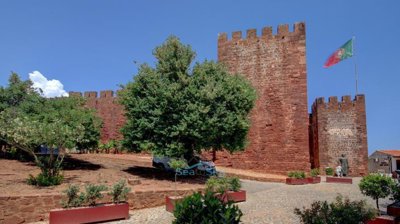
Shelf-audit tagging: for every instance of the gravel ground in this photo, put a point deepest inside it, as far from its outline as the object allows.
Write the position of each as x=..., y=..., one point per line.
x=268, y=202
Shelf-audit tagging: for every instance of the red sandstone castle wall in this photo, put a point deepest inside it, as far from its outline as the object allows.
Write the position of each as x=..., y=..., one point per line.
x=340, y=128
x=109, y=110
x=276, y=66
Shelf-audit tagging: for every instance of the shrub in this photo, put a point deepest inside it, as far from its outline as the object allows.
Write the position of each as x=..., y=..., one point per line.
x=314, y=172
x=376, y=186
x=329, y=171
x=297, y=174
x=395, y=192
x=235, y=184
x=339, y=211
x=177, y=164
x=206, y=208
x=223, y=184
x=93, y=193
x=119, y=191
x=73, y=198
x=45, y=180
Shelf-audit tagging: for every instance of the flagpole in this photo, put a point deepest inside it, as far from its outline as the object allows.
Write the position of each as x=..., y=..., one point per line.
x=355, y=64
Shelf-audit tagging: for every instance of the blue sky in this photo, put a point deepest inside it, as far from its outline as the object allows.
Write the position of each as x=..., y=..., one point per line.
x=91, y=45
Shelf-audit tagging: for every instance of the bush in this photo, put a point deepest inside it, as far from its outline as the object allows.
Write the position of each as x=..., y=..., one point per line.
x=73, y=198
x=93, y=193
x=314, y=172
x=177, y=164
x=235, y=184
x=339, y=211
x=297, y=174
x=376, y=186
x=45, y=180
x=329, y=171
x=199, y=208
x=119, y=191
x=50, y=170
x=223, y=184
x=395, y=193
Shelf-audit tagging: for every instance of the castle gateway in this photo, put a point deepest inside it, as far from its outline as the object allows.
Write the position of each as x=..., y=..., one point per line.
x=283, y=136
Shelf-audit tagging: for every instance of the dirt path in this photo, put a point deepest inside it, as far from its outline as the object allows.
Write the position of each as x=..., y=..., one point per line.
x=91, y=168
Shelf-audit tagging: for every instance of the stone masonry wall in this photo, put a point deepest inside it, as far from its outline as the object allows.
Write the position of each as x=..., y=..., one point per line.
x=276, y=67
x=340, y=128
x=109, y=110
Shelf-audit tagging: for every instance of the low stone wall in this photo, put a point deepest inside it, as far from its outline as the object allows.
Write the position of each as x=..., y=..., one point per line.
x=33, y=208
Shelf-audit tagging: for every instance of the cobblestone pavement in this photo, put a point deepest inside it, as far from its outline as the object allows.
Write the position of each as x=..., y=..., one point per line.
x=268, y=202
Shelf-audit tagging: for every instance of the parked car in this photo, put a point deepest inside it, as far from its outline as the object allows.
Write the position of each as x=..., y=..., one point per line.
x=197, y=166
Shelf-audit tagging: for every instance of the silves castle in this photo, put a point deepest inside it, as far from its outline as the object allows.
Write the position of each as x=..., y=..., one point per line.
x=283, y=135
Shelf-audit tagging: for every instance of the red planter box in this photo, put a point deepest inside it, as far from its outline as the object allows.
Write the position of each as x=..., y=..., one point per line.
x=235, y=196
x=99, y=213
x=394, y=209
x=295, y=181
x=341, y=180
x=383, y=219
x=314, y=180
x=170, y=202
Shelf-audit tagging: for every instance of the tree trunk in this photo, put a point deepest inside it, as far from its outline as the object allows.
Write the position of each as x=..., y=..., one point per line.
x=214, y=154
x=175, y=184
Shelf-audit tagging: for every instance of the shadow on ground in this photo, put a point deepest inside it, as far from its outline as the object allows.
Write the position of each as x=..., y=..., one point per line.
x=153, y=173
x=70, y=163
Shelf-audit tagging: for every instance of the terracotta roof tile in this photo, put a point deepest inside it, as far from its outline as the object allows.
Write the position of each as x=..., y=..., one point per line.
x=392, y=152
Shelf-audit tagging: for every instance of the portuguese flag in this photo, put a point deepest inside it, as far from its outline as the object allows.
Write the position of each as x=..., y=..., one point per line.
x=345, y=51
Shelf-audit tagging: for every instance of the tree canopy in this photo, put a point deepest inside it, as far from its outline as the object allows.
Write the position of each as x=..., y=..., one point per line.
x=28, y=120
x=175, y=110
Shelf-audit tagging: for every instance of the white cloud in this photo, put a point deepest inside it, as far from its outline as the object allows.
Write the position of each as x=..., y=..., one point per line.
x=50, y=88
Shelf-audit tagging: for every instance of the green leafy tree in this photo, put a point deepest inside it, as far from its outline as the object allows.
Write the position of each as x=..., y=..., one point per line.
x=376, y=186
x=27, y=121
x=175, y=111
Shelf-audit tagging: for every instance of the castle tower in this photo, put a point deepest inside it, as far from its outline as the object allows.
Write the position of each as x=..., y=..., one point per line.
x=339, y=128
x=276, y=66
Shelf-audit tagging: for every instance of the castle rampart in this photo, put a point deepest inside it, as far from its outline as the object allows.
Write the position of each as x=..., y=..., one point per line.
x=108, y=109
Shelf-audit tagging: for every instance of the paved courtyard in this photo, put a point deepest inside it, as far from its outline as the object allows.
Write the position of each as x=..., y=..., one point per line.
x=268, y=202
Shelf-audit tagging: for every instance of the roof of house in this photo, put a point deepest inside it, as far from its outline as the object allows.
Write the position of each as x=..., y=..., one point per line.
x=392, y=152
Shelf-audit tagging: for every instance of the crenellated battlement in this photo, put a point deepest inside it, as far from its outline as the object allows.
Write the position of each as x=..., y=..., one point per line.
x=333, y=102
x=94, y=94
x=266, y=33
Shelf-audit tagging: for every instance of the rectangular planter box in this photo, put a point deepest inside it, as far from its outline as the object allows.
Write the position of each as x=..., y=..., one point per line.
x=235, y=196
x=314, y=180
x=170, y=202
x=99, y=213
x=394, y=209
x=295, y=181
x=341, y=180
x=383, y=219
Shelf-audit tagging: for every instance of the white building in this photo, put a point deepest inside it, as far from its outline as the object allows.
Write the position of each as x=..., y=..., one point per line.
x=384, y=161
